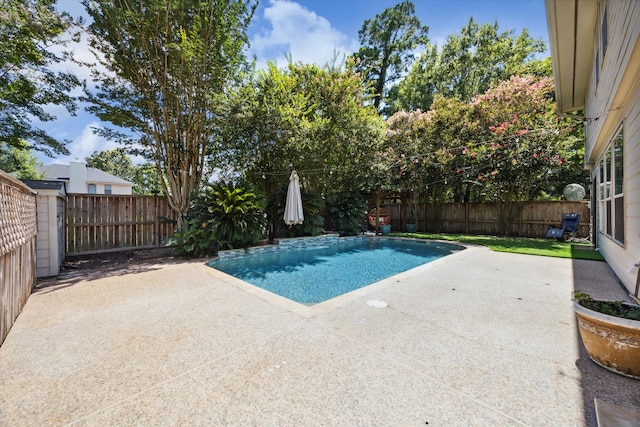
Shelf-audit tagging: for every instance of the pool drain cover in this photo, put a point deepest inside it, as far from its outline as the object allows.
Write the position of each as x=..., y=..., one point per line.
x=376, y=303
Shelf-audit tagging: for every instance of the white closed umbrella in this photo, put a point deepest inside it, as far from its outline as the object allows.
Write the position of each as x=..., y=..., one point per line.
x=293, y=208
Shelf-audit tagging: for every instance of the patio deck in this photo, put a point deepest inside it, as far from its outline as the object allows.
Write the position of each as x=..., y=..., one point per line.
x=477, y=338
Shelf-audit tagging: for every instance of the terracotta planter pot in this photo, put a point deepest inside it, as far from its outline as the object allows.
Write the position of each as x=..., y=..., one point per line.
x=611, y=342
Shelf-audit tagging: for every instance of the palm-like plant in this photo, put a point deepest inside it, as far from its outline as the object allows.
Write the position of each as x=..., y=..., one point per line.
x=238, y=216
x=222, y=216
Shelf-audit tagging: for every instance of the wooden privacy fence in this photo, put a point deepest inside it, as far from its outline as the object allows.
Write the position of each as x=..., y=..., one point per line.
x=18, y=230
x=482, y=218
x=99, y=223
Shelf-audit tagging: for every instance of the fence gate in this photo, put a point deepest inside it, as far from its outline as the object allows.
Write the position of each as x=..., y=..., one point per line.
x=111, y=223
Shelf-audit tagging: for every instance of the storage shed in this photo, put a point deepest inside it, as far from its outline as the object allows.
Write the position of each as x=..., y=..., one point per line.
x=50, y=201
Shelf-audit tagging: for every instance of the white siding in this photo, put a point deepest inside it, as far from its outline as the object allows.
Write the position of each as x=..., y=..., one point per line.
x=616, y=101
x=612, y=90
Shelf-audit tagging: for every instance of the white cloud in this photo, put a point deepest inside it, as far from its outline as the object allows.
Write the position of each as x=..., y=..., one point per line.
x=84, y=145
x=293, y=29
x=81, y=53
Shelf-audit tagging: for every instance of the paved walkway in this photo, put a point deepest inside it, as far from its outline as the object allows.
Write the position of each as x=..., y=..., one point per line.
x=475, y=339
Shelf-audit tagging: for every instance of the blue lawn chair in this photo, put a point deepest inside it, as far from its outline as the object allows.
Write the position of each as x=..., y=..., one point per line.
x=568, y=227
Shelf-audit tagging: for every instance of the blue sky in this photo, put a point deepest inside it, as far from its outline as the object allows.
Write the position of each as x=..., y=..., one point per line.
x=311, y=31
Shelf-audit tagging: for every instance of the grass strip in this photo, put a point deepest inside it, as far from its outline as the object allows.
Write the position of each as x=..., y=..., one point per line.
x=518, y=245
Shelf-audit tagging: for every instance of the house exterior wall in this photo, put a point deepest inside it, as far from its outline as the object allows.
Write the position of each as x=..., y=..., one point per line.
x=613, y=104
x=116, y=189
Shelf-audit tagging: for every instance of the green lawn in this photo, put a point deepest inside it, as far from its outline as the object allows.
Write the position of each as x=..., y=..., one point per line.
x=519, y=245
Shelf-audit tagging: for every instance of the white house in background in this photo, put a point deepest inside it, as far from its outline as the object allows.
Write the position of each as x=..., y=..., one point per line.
x=83, y=180
x=595, y=50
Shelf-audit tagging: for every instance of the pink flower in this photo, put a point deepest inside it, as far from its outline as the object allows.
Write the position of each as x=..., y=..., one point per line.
x=535, y=155
x=472, y=154
x=494, y=173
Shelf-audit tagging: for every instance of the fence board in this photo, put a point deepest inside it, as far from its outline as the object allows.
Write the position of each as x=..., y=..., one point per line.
x=18, y=230
x=482, y=218
x=110, y=223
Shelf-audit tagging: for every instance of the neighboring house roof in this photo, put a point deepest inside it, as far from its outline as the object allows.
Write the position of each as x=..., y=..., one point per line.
x=571, y=25
x=38, y=184
x=56, y=171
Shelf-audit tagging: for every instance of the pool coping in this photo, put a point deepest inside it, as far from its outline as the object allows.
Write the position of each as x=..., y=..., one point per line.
x=310, y=311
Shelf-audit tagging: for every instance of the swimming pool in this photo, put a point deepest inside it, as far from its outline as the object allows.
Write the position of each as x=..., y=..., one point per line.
x=328, y=268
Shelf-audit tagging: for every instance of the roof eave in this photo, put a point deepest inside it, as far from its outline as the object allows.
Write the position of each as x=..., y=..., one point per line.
x=571, y=25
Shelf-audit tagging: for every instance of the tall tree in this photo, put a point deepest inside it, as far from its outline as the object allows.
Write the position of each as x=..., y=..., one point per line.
x=115, y=162
x=28, y=29
x=388, y=42
x=308, y=118
x=168, y=67
x=21, y=161
x=319, y=121
x=469, y=63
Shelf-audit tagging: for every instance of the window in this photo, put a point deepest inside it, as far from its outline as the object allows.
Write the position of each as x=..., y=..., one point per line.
x=611, y=195
x=91, y=189
x=604, y=43
x=618, y=195
x=107, y=189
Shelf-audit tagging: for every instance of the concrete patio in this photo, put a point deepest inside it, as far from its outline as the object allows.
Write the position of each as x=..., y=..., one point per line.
x=475, y=339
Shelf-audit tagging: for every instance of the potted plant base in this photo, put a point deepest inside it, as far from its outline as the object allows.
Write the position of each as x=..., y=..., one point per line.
x=611, y=341
x=385, y=229
x=411, y=228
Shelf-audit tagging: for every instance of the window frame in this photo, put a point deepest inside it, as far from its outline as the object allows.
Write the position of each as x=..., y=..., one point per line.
x=610, y=177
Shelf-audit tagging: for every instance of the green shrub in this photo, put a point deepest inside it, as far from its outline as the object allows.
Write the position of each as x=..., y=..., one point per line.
x=312, y=206
x=222, y=216
x=348, y=212
x=313, y=224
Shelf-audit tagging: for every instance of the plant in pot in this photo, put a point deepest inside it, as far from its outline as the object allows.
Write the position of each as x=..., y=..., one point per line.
x=610, y=332
x=412, y=225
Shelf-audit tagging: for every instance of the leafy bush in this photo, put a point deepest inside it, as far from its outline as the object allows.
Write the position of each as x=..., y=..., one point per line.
x=348, y=212
x=313, y=224
x=312, y=206
x=222, y=216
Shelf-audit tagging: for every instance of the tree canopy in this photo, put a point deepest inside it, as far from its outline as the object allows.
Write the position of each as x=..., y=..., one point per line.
x=168, y=66
x=388, y=43
x=468, y=64
x=20, y=161
x=316, y=120
x=28, y=29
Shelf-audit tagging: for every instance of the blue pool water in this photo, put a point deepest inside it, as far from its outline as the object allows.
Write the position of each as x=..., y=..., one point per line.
x=320, y=272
